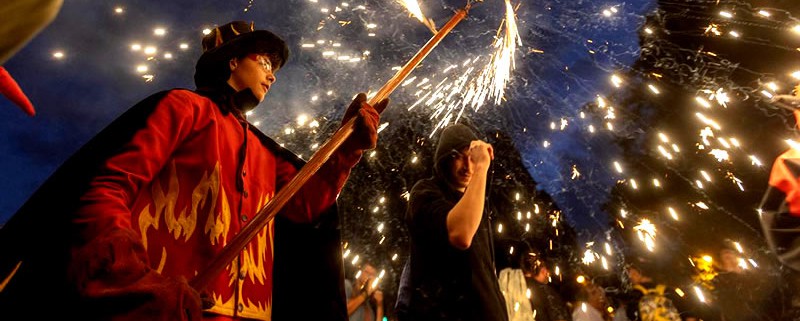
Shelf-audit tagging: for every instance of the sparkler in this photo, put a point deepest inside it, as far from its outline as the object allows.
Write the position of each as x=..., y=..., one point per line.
x=449, y=98
x=268, y=212
x=413, y=8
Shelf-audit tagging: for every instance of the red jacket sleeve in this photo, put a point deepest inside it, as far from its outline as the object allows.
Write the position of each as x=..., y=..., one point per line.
x=106, y=204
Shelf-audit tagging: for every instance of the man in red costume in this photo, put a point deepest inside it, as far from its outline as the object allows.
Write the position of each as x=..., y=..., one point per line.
x=150, y=201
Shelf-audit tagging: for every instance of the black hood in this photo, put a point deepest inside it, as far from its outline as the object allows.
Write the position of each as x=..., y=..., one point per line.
x=452, y=140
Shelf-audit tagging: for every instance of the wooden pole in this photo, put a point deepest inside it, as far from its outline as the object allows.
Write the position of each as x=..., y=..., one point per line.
x=268, y=212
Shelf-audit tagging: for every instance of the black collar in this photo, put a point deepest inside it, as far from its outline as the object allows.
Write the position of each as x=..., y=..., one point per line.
x=230, y=100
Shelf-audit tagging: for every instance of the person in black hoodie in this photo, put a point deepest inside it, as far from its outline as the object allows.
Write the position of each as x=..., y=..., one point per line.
x=451, y=272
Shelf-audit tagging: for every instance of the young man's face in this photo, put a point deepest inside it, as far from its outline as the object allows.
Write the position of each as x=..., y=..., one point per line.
x=597, y=297
x=254, y=71
x=461, y=169
x=368, y=274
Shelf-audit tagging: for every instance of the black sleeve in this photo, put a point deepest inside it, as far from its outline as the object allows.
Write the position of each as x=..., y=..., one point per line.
x=558, y=309
x=428, y=211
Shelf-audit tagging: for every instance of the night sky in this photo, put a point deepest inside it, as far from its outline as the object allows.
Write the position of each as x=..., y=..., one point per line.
x=587, y=153
x=97, y=80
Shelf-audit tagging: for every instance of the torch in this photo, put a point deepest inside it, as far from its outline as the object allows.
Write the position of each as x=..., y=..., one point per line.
x=268, y=212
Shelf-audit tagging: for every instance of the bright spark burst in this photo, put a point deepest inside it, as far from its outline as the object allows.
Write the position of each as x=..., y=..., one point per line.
x=575, y=172
x=588, y=257
x=413, y=7
x=713, y=29
x=646, y=232
x=618, y=167
x=703, y=102
x=673, y=213
x=700, y=295
x=450, y=96
x=720, y=155
x=495, y=76
x=736, y=181
x=616, y=80
x=793, y=144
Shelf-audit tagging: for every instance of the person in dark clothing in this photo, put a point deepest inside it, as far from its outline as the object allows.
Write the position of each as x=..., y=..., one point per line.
x=364, y=297
x=546, y=303
x=740, y=294
x=649, y=299
x=451, y=272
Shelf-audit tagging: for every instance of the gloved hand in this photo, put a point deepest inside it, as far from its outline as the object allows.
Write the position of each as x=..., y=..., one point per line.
x=365, y=133
x=114, y=281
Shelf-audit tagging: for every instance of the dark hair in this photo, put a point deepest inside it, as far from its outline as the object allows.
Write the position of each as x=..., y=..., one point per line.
x=532, y=263
x=274, y=58
x=583, y=294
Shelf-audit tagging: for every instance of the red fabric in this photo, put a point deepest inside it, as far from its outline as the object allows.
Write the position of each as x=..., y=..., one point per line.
x=113, y=273
x=183, y=186
x=797, y=117
x=364, y=135
x=782, y=178
x=11, y=90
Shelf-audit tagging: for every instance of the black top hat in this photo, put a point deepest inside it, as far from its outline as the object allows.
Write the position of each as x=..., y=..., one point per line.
x=235, y=39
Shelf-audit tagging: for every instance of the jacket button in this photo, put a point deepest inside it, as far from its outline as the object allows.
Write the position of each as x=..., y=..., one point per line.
x=244, y=173
x=240, y=307
x=244, y=218
x=245, y=194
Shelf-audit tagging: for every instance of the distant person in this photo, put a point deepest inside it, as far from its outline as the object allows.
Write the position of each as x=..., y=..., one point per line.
x=590, y=303
x=740, y=295
x=546, y=303
x=649, y=300
x=515, y=291
x=452, y=274
x=364, y=298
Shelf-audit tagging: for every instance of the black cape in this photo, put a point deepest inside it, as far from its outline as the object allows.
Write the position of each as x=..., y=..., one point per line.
x=308, y=267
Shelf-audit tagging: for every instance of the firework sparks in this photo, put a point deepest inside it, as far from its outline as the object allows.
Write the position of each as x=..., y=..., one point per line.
x=413, y=8
x=448, y=99
x=646, y=232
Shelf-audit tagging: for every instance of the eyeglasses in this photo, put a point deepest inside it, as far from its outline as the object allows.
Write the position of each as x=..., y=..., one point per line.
x=263, y=61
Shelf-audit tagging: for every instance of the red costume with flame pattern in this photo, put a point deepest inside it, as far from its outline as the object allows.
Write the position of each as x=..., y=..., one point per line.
x=151, y=200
